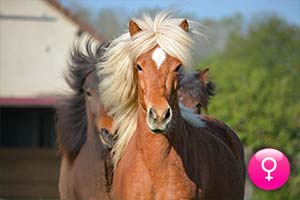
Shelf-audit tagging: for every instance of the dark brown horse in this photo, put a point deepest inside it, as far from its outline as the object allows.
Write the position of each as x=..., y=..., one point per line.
x=169, y=154
x=195, y=90
x=86, y=167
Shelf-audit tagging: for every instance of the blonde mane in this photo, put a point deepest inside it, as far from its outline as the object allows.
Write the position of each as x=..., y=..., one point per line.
x=119, y=88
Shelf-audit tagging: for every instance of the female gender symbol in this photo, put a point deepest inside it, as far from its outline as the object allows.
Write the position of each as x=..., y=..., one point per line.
x=269, y=177
x=269, y=161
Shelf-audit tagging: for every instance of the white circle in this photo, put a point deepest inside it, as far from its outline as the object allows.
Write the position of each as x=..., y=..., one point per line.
x=263, y=164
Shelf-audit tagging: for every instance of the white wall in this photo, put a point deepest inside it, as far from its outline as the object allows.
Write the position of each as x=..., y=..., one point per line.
x=33, y=53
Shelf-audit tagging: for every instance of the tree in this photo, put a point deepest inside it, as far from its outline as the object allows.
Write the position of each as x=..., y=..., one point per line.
x=107, y=22
x=257, y=76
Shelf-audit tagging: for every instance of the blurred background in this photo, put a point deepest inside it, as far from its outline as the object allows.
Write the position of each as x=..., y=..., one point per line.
x=252, y=50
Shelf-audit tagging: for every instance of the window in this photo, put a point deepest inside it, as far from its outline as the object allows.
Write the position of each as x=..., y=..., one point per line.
x=27, y=127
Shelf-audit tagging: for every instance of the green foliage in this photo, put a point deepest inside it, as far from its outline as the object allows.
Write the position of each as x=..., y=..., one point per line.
x=258, y=91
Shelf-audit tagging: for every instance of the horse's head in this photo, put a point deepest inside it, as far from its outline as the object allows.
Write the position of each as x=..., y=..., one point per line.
x=157, y=82
x=195, y=89
x=102, y=122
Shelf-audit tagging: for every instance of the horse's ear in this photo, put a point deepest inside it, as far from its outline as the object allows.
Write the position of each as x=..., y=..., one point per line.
x=184, y=25
x=133, y=28
x=204, y=75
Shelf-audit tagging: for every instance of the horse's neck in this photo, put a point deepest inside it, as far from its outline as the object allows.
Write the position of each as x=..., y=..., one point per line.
x=177, y=130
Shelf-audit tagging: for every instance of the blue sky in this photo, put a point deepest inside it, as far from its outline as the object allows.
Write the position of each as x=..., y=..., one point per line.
x=216, y=9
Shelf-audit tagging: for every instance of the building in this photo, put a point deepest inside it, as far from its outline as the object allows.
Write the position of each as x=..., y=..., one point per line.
x=35, y=40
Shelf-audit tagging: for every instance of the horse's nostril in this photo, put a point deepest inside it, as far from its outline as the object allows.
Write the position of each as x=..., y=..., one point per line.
x=167, y=114
x=152, y=115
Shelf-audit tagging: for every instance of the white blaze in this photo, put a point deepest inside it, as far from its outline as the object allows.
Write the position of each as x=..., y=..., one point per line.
x=158, y=56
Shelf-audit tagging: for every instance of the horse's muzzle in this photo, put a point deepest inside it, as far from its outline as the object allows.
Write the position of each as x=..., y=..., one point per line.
x=158, y=121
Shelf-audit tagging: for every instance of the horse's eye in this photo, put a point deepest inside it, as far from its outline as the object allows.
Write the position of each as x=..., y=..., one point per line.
x=88, y=93
x=178, y=68
x=139, y=68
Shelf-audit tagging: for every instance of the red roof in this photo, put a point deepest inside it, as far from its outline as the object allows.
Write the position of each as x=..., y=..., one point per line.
x=24, y=102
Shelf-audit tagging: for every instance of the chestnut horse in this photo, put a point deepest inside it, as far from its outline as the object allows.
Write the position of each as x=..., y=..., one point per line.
x=86, y=168
x=162, y=151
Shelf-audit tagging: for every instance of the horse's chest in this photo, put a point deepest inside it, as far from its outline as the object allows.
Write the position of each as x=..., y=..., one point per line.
x=157, y=182
x=173, y=184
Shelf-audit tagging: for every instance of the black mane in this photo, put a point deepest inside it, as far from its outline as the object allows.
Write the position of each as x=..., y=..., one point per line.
x=71, y=122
